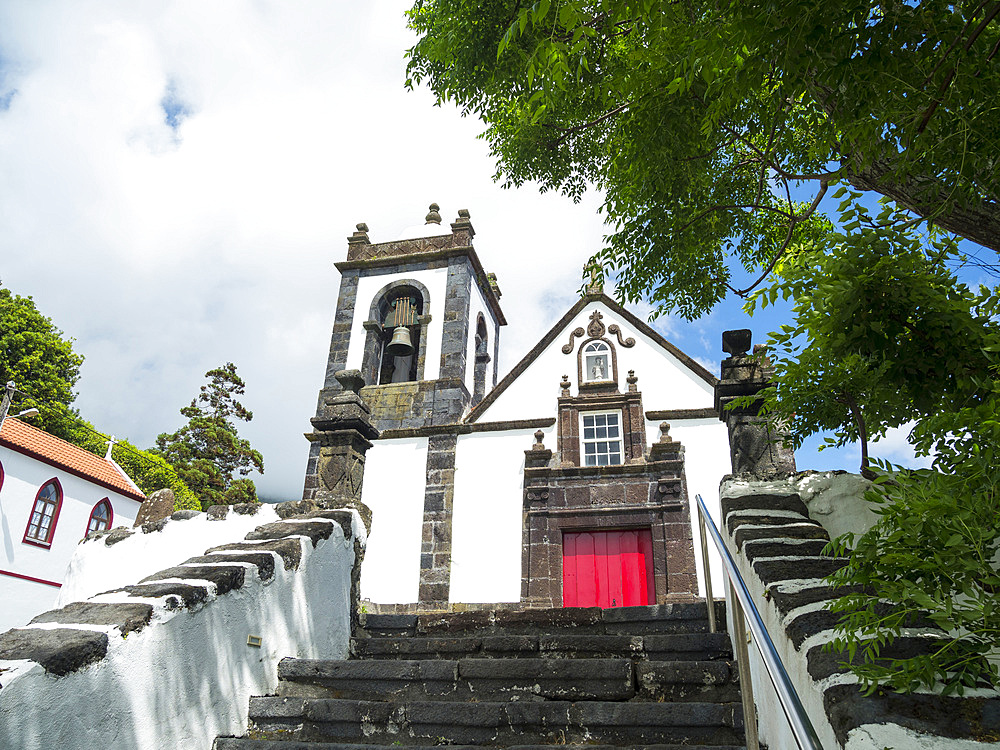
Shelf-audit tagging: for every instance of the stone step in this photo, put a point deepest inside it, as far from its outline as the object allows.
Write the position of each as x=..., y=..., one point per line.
x=662, y=647
x=463, y=680
x=675, y=617
x=504, y=723
x=508, y=679
x=236, y=743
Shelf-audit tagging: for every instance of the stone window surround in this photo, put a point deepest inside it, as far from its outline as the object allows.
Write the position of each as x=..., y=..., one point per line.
x=633, y=424
x=372, y=357
x=47, y=542
x=110, y=519
x=581, y=375
x=619, y=440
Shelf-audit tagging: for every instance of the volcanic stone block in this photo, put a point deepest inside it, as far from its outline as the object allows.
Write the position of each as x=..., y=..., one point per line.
x=59, y=651
x=225, y=577
x=127, y=616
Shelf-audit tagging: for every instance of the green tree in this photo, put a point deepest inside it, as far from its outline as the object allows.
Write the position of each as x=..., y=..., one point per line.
x=208, y=450
x=700, y=121
x=883, y=334
x=40, y=361
x=148, y=470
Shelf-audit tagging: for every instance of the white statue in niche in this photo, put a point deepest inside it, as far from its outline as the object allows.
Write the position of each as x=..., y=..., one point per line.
x=598, y=372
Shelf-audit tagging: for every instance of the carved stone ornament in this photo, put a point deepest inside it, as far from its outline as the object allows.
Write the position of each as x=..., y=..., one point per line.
x=536, y=494
x=595, y=329
x=627, y=343
x=344, y=476
x=575, y=334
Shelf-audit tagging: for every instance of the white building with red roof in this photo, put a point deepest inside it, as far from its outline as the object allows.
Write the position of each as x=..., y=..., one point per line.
x=52, y=494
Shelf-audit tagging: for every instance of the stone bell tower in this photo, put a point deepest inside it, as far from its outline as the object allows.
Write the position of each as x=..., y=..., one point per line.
x=420, y=319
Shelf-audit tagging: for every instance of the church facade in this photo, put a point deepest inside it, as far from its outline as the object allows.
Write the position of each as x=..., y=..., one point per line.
x=570, y=481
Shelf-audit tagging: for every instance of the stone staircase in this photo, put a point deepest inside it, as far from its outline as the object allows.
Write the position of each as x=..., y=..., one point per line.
x=636, y=676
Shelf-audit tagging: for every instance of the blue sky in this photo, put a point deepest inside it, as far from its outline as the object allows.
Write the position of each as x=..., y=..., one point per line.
x=179, y=178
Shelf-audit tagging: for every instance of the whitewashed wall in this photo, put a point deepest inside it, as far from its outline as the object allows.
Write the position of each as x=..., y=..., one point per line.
x=477, y=305
x=435, y=279
x=665, y=382
x=96, y=567
x=395, y=478
x=486, y=520
x=23, y=476
x=187, y=677
x=706, y=461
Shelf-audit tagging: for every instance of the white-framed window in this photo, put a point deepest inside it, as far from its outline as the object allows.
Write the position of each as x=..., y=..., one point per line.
x=601, y=438
x=596, y=362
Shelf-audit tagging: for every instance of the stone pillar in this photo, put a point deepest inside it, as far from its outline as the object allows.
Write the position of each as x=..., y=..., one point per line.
x=434, y=587
x=341, y=436
x=755, y=446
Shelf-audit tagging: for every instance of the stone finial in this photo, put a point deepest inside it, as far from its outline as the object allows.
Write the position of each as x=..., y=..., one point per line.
x=492, y=278
x=360, y=236
x=632, y=380
x=565, y=385
x=538, y=446
x=463, y=213
x=433, y=217
x=596, y=283
x=736, y=343
x=351, y=380
x=665, y=433
x=362, y=227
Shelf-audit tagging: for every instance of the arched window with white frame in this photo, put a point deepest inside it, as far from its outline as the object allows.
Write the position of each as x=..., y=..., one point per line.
x=596, y=362
x=44, y=515
x=100, y=517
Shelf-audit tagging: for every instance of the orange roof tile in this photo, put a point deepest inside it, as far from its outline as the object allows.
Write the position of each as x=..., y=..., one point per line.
x=38, y=444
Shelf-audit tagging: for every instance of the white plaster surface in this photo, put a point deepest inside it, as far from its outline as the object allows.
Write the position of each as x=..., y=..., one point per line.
x=435, y=279
x=395, y=478
x=188, y=676
x=96, y=567
x=836, y=502
x=665, y=382
x=23, y=477
x=706, y=461
x=895, y=737
x=477, y=304
x=486, y=521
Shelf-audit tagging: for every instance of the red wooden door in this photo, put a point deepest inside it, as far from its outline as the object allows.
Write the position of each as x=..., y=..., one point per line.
x=608, y=568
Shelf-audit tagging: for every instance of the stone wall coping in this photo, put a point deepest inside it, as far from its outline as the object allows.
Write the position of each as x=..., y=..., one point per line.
x=794, y=593
x=462, y=428
x=673, y=415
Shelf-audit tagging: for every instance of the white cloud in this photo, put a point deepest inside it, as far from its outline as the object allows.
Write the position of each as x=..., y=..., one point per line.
x=168, y=248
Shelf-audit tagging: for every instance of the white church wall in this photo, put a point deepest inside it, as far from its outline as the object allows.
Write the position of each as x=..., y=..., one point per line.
x=665, y=381
x=706, y=461
x=435, y=279
x=477, y=305
x=187, y=676
x=96, y=566
x=23, y=477
x=486, y=518
x=395, y=477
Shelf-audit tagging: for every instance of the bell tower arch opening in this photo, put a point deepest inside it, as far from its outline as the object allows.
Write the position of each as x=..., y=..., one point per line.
x=396, y=345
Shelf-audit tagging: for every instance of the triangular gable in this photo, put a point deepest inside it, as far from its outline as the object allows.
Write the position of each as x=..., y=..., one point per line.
x=561, y=330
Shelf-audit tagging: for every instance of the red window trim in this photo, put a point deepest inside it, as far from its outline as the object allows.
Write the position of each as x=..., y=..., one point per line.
x=111, y=514
x=1, y=476
x=23, y=577
x=55, y=516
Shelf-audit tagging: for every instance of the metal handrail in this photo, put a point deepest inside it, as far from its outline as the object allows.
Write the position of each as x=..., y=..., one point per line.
x=802, y=729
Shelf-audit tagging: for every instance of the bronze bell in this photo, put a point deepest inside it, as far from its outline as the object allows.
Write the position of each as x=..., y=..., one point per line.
x=400, y=345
